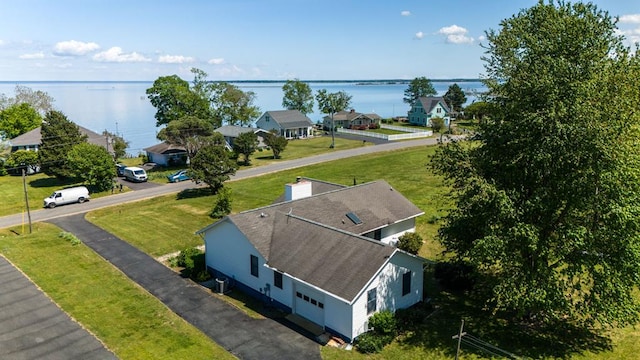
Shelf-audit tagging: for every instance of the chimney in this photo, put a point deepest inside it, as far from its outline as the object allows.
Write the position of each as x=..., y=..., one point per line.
x=298, y=190
x=352, y=111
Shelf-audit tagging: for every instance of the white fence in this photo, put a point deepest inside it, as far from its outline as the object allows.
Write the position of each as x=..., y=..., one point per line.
x=410, y=133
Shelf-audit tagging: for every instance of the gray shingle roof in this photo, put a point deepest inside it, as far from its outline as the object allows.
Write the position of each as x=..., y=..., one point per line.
x=313, y=239
x=289, y=119
x=234, y=131
x=317, y=187
x=34, y=137
x=165, y=148
x=430, y=102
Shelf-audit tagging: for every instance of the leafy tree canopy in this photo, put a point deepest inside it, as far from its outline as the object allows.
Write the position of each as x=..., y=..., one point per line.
x=331, y=103
x=18, y=119
x=118, y=144
x=23, y=159
x=59, y=135
x=212, y=166
x=548, y=201
x=479, y=110
x=91, y=164
x=189, y=132
x=455, y=97
x=246, y=144
x=276, y=142
x=418, y=87
x=297, y=96
x=232, y=106
x=173, y=99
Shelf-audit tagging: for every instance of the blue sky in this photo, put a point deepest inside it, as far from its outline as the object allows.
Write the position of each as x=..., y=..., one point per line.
x=122, y=40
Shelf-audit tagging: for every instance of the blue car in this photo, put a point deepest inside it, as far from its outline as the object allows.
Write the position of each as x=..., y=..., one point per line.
x=178, y=176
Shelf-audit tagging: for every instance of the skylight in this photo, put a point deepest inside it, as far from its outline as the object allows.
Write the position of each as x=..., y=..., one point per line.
x=353, y=217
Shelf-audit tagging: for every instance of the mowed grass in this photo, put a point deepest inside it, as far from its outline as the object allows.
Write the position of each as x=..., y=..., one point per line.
x=128, y=320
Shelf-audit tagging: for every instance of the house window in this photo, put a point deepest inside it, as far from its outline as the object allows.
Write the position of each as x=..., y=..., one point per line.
x=320, y=305
x=254, y=265
x=406, y=283
x=305, y=298
x=298, y=295
x=266, y=118
x=277, y=279
x=371, y=300
x=438, y=110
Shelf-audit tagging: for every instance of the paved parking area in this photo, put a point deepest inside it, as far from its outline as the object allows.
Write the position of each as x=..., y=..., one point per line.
x=33, y=327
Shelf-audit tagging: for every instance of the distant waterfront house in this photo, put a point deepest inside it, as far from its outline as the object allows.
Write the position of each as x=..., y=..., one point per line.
x=350, y=119
x=425, y=108
x=324, y=253
x=291, y=124
x=231, y=132
x=31, y=140
x=166, y=154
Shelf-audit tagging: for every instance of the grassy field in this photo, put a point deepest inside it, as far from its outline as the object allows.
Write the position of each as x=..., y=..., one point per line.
x=131, y=322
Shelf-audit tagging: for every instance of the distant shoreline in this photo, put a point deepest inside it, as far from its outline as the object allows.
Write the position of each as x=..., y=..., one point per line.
x=357, y=82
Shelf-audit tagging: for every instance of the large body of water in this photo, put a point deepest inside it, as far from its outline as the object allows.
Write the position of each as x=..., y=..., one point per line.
x=123, y=107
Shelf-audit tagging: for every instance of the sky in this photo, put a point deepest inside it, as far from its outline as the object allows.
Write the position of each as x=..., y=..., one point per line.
x=141, y=40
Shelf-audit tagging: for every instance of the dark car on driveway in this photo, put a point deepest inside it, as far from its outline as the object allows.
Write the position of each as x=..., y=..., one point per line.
x=178, y=176
x=120, y=169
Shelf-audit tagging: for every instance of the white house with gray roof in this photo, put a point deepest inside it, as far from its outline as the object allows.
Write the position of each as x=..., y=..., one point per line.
x=291, y=124
x=231, y=132
x=328, y=257
x=426, y=108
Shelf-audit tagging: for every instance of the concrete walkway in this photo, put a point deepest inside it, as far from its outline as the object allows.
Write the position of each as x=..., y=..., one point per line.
x=245, y=337
x=33, y=327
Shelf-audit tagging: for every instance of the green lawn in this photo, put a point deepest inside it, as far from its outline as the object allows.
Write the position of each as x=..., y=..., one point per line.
x=128, y=320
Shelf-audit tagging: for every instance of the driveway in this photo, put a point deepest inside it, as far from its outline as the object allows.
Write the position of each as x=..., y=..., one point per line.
x=245, y=337
x=33, y=327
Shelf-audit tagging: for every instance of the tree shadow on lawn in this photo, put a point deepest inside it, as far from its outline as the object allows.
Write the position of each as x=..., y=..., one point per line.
x=50, y=182
x=193, y=193
x=558, y=340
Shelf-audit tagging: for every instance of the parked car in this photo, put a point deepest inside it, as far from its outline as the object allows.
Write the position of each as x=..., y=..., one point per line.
x=77, y=194
x=135, y=174
x=120, y=169
x=178, y=176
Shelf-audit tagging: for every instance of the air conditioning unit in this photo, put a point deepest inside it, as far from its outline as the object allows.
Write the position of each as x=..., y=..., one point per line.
x=222, y=285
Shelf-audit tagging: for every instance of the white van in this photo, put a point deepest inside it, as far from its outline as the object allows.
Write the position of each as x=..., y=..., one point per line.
x=136, y=174
x=77, y=194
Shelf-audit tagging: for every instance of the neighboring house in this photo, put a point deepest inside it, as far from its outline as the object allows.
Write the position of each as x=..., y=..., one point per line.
x=31, y=140
x=291, y=124
x=231, y=132
x=327, y=257
x=350, y=119
x=166, y=154
x=426, y=108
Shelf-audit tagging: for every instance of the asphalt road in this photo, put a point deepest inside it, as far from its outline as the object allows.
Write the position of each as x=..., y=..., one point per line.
x=153, y=191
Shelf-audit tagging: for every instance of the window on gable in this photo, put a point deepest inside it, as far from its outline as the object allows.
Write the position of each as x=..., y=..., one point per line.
x=254, y=265
x=406, y=283
x=277, y=279
x=438, y=110
x=371, y=300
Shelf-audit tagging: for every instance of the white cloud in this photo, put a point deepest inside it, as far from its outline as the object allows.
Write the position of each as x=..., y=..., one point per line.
x=405, y=13
x=74, y=48
x=216, y=61
x=115, y=54
x=419, y=35
x=455, y=34
x=630, y=18
x=175, y=59
x=482, y=38
x=39, y=55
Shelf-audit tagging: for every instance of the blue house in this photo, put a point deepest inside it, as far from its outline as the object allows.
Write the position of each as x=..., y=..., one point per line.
x=426, y=108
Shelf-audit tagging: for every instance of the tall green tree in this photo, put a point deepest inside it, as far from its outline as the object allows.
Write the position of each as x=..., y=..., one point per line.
x=59, y=136
x=246, y=144
x=276, y=142
x=118, y=144
x=331, y=103
x=548, y=201
x=479, y=110
x=189, y=132
x=455, y=97
x=23, y=159
x=297, y=96
x=173, y=99
x=212, y=166
x=18, y=119
x=92, y=165
x=232, y=106
x=418, y=87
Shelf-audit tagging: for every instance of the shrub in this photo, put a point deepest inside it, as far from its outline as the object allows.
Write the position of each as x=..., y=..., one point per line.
x=371, y=342
x=383, y=323
x=373, y=126
x=410, y=242
x=223, y=204
x=70, y=238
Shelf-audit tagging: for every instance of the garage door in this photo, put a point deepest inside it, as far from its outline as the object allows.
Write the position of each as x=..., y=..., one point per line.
x=310, y=305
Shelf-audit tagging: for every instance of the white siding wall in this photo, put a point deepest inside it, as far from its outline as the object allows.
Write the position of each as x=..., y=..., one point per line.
x=391, y=233
x=389, y=290
x=338, y=316
x=235, y=261
x=262, y=123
